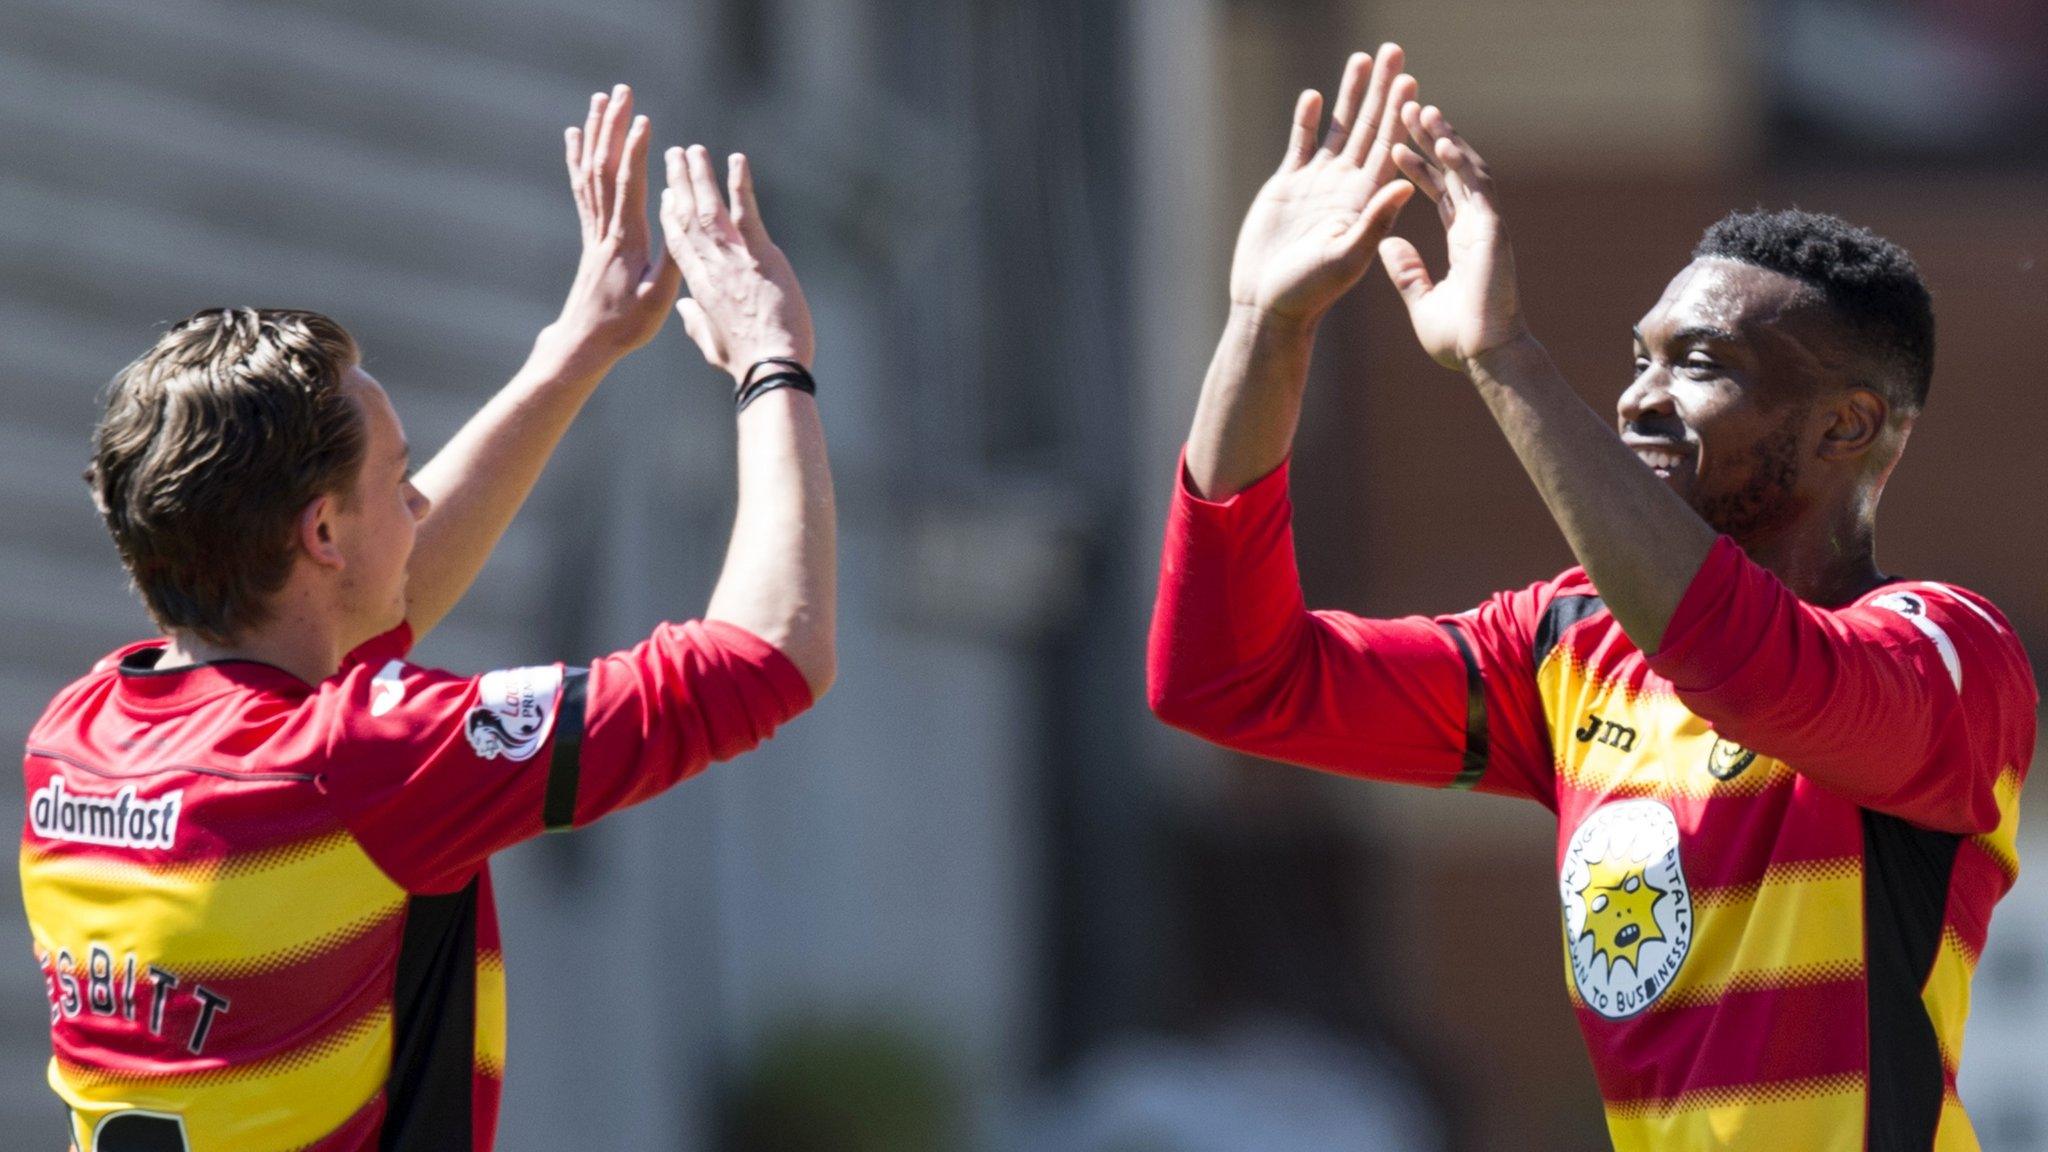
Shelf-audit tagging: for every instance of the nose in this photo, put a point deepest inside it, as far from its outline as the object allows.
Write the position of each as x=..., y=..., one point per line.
x=1648, y=397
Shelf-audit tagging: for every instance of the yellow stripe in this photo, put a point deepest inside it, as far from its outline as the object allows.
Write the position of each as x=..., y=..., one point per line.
x=1778, y=874
x=1955, y=1133
x=232, y=921
x=1947, y=996
x=490, y=1013
x=1803, y=926
x=273, y=1106
x=2002, y=842
x=1668, y=757
x=1823, y=1115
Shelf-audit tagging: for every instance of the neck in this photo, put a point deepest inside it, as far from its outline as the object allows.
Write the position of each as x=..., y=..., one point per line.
x=1827, y=563
x=309, y=652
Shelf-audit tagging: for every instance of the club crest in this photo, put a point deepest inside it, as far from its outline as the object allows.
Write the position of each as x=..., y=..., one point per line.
x=1726, y=759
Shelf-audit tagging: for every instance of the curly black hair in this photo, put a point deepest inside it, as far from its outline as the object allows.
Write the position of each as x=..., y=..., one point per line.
x=1869, y=282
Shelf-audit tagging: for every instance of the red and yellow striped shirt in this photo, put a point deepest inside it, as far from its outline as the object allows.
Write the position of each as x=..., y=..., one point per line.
x=1779, y=839
x=262, y=907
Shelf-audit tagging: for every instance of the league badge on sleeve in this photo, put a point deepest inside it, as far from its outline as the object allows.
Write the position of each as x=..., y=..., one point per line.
x=514, y=711
x=1914, y=609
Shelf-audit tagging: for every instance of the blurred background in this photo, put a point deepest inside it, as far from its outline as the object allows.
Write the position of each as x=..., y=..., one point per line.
x=979, y=899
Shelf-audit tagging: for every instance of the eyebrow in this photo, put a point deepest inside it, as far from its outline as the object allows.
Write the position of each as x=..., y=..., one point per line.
x=1695, y=333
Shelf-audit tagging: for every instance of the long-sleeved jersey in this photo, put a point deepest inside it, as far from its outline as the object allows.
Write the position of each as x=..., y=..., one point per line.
x=1779, y=838
x=262, y=907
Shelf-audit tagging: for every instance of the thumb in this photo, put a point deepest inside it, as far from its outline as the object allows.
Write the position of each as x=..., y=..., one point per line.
x=667, y=279
x=1377, y=219
x=698, y=325
x=1406, y=269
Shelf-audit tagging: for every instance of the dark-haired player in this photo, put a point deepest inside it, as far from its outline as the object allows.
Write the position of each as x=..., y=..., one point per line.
x=1786, y=783
x=254, y=860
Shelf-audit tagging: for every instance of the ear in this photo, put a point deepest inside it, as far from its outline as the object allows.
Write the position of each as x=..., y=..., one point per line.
x=317, y=533
x=1856, y=420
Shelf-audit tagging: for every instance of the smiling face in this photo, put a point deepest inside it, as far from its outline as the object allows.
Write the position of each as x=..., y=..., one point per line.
x=1735, y=401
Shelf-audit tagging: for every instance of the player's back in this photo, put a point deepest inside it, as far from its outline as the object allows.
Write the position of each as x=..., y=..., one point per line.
x=221, y=954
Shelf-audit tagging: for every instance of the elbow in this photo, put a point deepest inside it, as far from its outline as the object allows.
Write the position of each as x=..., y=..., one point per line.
x=805, y=638
x=810, y=641
x=820, y=667
x=1184, y=689
x=1159, y=696
x=1174, y=704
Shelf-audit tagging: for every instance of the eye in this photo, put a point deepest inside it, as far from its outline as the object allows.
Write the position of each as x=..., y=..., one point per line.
x=1700, y=363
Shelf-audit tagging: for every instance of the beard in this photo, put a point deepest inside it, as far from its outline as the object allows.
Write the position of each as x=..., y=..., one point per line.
x=1764, y=501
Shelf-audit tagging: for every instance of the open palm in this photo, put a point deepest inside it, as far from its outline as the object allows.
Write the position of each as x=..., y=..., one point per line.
x=1476, y=307
x=1312, y=229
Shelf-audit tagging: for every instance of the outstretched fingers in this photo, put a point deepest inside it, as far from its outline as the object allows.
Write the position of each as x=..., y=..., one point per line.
x=629, y=209
x=1350, y=96
x=1465, y=173
x=746, y=211
x=583, y=175
x=711, y=215
x=1386, y=67
x=678, y=207
x=1301, y=140
x=1378, y=159
x=572, y=140
x=1425, y=176
x=610, y=141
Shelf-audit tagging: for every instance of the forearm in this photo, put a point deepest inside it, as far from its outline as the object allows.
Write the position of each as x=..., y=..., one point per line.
x=1637, y=540
x=1251, y=402
x=478, y=482
x=781, y=568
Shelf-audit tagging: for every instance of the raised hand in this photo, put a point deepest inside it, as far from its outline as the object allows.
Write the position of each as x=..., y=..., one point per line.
x=1475, y=308
x=745, y=304
x=623, y=288
x=1311, y=231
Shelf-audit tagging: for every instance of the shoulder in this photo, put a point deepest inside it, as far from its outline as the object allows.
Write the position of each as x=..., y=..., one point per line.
x=391, y=717
x=1968, y=631
x=88, y=691
x=1930, y=599
x=1569, y=604
x=1534, y=619
x=1547, y=609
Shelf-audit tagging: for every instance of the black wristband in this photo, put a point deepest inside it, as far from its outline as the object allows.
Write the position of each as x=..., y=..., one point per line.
x=792, y=374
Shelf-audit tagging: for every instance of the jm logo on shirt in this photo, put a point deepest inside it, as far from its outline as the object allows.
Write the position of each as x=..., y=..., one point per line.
x=1627, y=911
x=1607, y=732
x=122, y=820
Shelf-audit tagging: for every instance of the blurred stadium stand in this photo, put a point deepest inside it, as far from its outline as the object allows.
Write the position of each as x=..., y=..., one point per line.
x=979, y=882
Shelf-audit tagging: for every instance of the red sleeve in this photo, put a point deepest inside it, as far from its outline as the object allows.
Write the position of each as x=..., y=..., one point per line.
x=1237, y=658
x=439, y=771
x=1911, y=701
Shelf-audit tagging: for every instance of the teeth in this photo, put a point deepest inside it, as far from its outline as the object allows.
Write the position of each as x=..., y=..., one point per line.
x=1656, y=458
